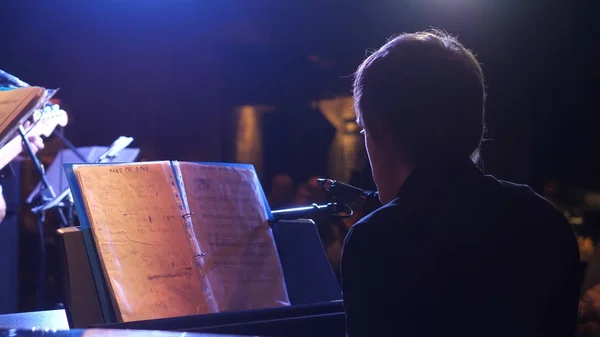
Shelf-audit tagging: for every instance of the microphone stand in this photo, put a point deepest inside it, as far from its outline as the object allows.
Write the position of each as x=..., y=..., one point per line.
x=70, y=145
x=67, y=203
x=346, y=200
x=46, y=193
x=336, y=209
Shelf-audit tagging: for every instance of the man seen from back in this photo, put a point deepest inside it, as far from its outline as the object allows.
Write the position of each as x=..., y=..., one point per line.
x=451, y=252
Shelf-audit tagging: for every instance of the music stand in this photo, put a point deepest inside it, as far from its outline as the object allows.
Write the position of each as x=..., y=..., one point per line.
x=116, y=152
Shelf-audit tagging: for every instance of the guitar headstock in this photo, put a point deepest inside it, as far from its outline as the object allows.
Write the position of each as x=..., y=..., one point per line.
x=47, y=119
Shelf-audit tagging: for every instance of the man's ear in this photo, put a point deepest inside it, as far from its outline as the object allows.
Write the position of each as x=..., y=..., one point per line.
x=390, y=142
x=387, y=140
x=382, y=134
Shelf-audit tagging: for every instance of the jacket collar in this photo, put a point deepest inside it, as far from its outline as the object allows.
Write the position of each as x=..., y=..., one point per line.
x=439, y=176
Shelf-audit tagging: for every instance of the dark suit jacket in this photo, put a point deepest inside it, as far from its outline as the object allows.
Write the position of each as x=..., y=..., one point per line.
x=9, y=184
x=9, y=240
x=458, y=253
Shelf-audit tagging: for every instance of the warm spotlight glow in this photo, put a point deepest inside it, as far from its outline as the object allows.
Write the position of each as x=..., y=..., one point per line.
x=248, y=138
x=343, y=150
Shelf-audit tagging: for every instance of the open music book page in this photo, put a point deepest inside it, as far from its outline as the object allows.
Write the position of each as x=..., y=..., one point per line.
x=169, y=239
x=229, y=216
x=135, y=214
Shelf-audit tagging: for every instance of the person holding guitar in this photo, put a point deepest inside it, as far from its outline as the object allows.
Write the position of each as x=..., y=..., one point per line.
x=37, y=143
x=44, y=122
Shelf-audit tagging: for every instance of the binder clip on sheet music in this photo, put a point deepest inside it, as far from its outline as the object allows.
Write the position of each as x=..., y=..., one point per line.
x=170, y=239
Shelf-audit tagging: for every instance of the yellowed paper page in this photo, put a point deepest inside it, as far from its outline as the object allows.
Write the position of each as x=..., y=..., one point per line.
x=136, y=220
x=230, y=222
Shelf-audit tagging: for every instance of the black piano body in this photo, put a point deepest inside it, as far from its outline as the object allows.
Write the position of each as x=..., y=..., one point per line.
x=315, y=295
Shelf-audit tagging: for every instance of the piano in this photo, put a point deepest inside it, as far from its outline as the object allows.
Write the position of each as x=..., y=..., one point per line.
x=315, y=295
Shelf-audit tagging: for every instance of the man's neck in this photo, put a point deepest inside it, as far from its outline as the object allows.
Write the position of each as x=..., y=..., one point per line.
x=396, y=181
x=403, y=172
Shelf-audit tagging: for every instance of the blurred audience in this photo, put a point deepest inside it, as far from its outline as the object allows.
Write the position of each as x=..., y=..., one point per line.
x=282, y=191
x=303, y=195
x=586, y=247
x=568, y=201
x=589, y=304
x=318, y=194
x=332, y=230
x=553, y=191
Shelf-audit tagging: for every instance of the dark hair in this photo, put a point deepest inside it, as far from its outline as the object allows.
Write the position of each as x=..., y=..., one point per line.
x=427, y=91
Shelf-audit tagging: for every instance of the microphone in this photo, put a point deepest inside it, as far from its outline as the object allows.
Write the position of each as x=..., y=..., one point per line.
x=356, y=197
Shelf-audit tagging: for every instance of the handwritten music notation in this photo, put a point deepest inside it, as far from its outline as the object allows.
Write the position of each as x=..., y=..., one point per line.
x=178, y=239
x=231, y=226
x=139, y=233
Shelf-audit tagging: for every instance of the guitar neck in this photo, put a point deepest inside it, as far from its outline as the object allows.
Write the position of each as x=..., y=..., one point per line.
x=45, y=123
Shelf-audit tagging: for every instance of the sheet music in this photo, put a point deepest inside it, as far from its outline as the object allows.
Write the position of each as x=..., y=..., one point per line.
x=138, y=229
x=230, y=223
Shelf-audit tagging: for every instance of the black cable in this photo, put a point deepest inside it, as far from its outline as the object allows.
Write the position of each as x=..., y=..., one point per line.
x=41, y=284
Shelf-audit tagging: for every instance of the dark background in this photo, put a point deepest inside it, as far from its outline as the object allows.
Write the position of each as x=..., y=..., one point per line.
x=165, y=72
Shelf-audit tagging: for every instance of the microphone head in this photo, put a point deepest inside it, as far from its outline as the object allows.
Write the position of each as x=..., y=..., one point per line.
x=325, y=184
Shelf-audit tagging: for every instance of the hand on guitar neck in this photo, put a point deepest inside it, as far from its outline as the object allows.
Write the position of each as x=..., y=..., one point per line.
x=36, y=141
x=44, y=123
